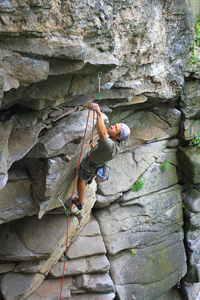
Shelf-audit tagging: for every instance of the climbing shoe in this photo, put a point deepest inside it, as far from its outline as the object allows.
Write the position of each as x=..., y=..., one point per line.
x=75, y=201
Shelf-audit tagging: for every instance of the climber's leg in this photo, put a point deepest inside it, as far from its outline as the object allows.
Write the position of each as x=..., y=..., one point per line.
x=81, y=190
x=78, y=201
x=85, y=172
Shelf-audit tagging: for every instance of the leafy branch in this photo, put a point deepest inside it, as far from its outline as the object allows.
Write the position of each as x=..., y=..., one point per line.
x=195, y=140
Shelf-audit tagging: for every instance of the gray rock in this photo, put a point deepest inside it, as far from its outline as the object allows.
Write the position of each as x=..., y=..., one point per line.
x=154, y=180
x=11, y=247
x=121, y=226
x=95, y=296
x=192, y=220
x=193, y=274
x=29, y=266
x=5, y=131
x=190, y=127
x=4, y=268
x=71, y=48
x=22, y=136
x=86, y=246
x=190, y=99
x=174, y=294
x=122, y=164
x=64, y=137
x=129, y=166
x=103, y=201
x=63, y=66
x=3, y=180
x=50, y=228
x=95, y=283
x=137, y=291
x=50, y=290
x=12, y=290
x=145, y=126
x=192, y=200
x=173, y=143
x=192, y=242
x=38, y=243
x=92, y=264
x=150, y=264
x=91, y=229
x=190, y=291
x=23, y=71
x=19, y=200
x=141, y=274
x=170, y=115
x=189, y=164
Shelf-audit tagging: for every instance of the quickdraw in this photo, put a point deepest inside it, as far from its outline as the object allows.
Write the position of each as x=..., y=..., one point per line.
x=66, y=211
x=179, y=280
x=63, y=256
x=99, y=78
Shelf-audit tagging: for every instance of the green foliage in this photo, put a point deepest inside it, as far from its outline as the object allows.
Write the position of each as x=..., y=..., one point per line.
x=137, y=185
x=198, y=37
x=197, y=31
x=133, y=251
x=164, y=166
x=193, y=58
x=196, y=140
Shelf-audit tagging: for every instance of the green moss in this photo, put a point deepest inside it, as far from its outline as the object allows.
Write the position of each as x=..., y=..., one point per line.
x=197, y=25
x=164, y=166
x=196, y=140
x=193, y=58
x=138, y=185
x=133, y=251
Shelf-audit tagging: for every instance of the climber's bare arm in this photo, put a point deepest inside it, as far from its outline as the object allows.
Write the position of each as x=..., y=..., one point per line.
x=101, y=128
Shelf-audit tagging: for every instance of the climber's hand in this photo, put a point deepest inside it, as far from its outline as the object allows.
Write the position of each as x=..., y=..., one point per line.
x=95, y=107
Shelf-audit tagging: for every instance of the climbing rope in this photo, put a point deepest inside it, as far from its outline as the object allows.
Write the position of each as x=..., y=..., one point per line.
x=59, y=198
x=68, y=212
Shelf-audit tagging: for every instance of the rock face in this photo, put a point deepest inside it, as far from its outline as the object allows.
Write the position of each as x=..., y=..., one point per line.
x=137, y=236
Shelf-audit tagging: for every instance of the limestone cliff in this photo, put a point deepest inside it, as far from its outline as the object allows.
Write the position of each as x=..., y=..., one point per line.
x=137, y=236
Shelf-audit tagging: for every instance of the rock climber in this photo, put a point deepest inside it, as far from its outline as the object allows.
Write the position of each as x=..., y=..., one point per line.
x=109, y=145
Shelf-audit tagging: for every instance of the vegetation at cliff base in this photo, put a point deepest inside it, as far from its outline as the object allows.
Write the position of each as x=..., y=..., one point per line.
x=195, y=140
x=137, y=185
x=193, y=58
x=164, y=166
x=197, y=31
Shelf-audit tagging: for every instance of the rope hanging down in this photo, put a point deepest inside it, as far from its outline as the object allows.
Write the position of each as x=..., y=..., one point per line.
x=68, y=212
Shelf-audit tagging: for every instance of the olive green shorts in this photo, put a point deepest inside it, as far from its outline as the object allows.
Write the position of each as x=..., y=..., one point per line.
x=87, y=169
